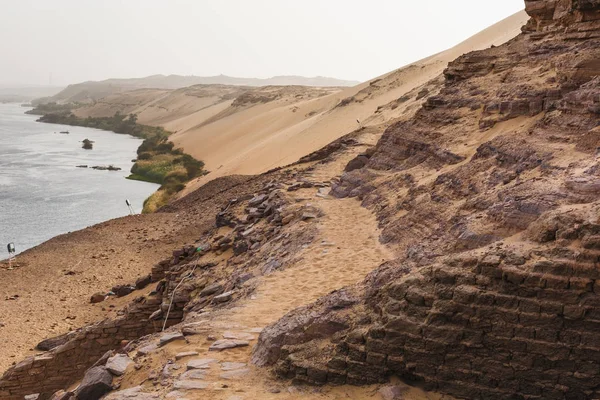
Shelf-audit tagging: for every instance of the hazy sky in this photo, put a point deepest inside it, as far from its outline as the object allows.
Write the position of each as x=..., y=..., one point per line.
x=77, y=40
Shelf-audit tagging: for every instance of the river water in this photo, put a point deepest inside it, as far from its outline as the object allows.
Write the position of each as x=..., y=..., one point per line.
x=43, y=194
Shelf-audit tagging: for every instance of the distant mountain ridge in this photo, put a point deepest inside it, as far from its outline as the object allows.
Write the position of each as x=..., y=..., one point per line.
x=91, y=91
x=23, y=93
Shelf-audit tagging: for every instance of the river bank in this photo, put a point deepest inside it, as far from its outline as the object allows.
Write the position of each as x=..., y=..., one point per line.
x=43, y=194
x=158, y=161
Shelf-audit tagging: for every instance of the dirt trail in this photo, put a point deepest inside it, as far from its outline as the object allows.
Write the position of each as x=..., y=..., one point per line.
x=345, y=249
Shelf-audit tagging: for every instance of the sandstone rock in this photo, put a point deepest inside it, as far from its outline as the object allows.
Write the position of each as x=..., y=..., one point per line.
x=357, y=163
x=52, y=343
x=287, y=219
x=135, y=393
x=225, y=240
x=101, y=362
x=194, y=328
x=225, y=344
x=225, y=219
x=231, y=366
x=236, y=374
x=238, y=335
x=117, y=365
x=144, y=281
x=211, y=289
x=170, y=337
x=62, y=395
x=176, y=394
x=257, y=200
x=308, y=215
x=97, y=298
x=585, y=185
x=190, y=385
x=122, y=290
x=303, y=325
x=179, y=356
x=156, y=315
x=248, y=232
x=323, y=193
x=240, y=280
x=201, y=363
x=223, y=298
x=392, y=393
x=240, y=247
x=167, y=371
x=192, y=374
x=96, y=383
x=148, y=349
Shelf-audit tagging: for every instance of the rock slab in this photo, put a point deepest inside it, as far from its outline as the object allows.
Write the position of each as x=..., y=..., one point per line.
x=96, y=382
x=179, y=356
x=225, y=344
x=170, y=337
x=201, y=363
x=118, y=364
x=190, y=385
x=237, y=374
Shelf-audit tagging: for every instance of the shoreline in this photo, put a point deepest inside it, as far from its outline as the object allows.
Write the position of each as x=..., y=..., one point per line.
x=157, y=161
x=45, y=195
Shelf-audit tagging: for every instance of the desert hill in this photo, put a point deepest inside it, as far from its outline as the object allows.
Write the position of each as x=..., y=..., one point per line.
x=274, y=126
x=89, y=92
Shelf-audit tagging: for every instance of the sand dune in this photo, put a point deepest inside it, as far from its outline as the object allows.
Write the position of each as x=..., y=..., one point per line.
x=263, y=138
x=243, y=130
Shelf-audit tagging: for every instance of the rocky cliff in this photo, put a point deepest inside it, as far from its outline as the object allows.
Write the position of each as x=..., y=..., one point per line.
x=490, y=193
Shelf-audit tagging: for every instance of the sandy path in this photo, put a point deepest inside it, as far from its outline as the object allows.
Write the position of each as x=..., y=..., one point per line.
x=345, y=249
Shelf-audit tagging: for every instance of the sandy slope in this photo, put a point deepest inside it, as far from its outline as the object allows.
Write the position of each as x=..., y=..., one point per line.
x=266, y=137
x=262, y=134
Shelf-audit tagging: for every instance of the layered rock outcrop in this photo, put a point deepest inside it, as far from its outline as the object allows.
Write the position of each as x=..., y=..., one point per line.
x=491, y=194
x=504, y=323
x=579, y=18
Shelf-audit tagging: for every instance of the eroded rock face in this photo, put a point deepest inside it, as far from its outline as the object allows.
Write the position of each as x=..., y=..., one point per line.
x=499, y=324
x=96, y=382
x=549, y=14
x=491, y=193
x=304, y=325
x=493, y=150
